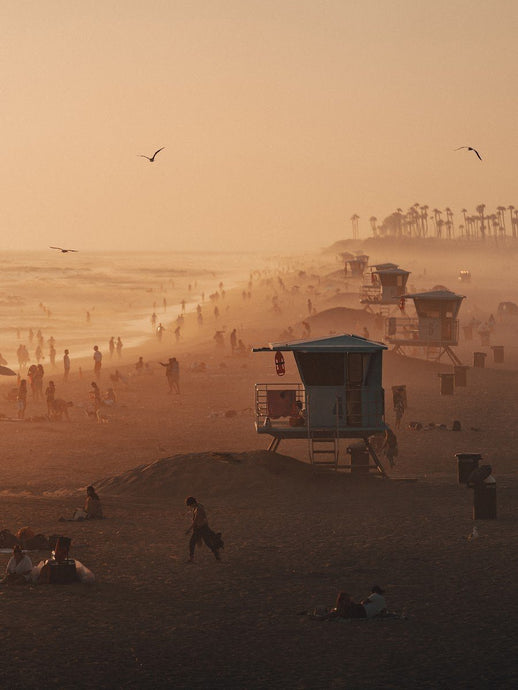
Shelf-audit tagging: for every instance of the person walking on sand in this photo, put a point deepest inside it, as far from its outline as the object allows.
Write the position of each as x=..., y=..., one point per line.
x=66, y=366
x=119, y=347
x=50, y=396
x=98, y=358
x=172, y=373
x=200, y=529
x=111, y=346
x=390, y=446
x=21, y=398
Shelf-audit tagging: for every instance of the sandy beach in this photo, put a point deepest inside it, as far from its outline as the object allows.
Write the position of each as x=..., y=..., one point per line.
x=294, y=535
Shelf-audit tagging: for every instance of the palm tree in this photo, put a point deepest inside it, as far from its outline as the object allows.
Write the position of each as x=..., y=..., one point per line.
x=501, y=219
x=480, y=210
x=449, y=221
x=464, y=211
x=354, y=219
x=424, y=220
x=373, y=220
x=436, y=218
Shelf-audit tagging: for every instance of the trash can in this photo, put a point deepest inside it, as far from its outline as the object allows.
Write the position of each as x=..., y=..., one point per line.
x=359, y=459
x=498, y=354
x=484, y=499
x=468, y=332
x=447, y=383
x=466, y=463
x=479, y=360
x=461, y=375
x=484, y=338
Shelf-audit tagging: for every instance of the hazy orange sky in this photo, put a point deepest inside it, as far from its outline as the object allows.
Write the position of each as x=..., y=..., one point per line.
x=280, y=118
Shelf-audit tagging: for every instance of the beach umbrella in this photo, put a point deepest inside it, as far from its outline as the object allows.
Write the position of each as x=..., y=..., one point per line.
x=5, y=371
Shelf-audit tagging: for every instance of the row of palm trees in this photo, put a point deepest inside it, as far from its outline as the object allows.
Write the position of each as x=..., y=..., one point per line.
x=420, y=221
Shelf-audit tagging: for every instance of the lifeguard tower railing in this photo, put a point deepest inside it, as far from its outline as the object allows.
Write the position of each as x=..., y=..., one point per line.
x=371, y=293
x=355, y=412
x=415, y=331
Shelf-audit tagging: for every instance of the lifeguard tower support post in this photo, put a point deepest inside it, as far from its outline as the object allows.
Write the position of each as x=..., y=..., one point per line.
x=340, y=391
x=356, y=266
x=436, y=327
x=384, y=285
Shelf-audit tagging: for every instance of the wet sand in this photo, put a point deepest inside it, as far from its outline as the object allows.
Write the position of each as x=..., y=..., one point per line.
x=293, y=538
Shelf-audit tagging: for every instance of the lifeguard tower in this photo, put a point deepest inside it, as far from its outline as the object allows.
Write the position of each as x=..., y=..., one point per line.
x=436, y=327
x=339, y=396
x=356, y=266
x=384, y=285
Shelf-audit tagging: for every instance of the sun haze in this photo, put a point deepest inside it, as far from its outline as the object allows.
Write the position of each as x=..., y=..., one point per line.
x=280, y=119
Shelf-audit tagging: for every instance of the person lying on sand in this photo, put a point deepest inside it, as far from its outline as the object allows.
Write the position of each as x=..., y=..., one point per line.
x=19, y=568
x=371, y=607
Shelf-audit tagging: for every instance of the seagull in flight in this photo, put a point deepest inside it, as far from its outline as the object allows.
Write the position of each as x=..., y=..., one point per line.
x=152, y=159
x=63, y=251
x=470, y=148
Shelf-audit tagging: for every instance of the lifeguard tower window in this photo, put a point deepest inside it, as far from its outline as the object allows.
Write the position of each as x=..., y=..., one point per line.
x=333, y=368
x=321, y=369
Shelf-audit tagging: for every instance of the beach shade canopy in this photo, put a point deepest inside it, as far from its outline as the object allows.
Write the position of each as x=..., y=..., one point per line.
x=5, y=371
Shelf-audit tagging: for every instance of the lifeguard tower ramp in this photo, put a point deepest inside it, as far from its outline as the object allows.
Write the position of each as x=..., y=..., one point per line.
x=384, y=286
x=435, y=328
x=339, y=396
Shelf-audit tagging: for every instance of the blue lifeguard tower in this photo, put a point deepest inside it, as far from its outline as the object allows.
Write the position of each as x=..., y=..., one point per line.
x=436, y=327
x=384, y=286
x=339, y=396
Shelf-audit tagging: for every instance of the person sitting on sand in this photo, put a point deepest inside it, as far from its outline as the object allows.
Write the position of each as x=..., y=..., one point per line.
x=109, y=398
x=139, y=366
x=92, y=509
x=19, y=568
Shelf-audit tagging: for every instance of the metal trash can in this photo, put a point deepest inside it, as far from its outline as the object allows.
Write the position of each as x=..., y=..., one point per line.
x=479, y=360
x=461, y=375
x=447, y=383
x=468, y=332
x=466, y=463
x=498, y=354
x=484, y=499
x=359, y=459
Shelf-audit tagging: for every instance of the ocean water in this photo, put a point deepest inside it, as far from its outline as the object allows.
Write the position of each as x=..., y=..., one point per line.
x=52, y=292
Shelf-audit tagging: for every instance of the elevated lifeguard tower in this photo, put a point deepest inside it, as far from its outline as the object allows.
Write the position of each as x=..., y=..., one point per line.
x=356, y=266
x=436, y=327
x=339, y=396
x=385, y=285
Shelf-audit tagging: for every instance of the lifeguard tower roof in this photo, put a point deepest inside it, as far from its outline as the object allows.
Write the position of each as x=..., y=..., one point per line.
x=436, y=294
x=390, y=268
x=337, y=343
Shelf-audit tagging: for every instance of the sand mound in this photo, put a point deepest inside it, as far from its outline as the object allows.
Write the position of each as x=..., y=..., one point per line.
x=340, y=318
x=208, y=474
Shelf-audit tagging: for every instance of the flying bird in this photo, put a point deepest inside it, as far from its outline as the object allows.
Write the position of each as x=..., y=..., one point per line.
x=63, y=251
x=152, y=159
x=470, y=148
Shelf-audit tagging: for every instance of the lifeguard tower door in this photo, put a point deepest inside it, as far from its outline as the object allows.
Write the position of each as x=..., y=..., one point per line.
x=333, y=384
